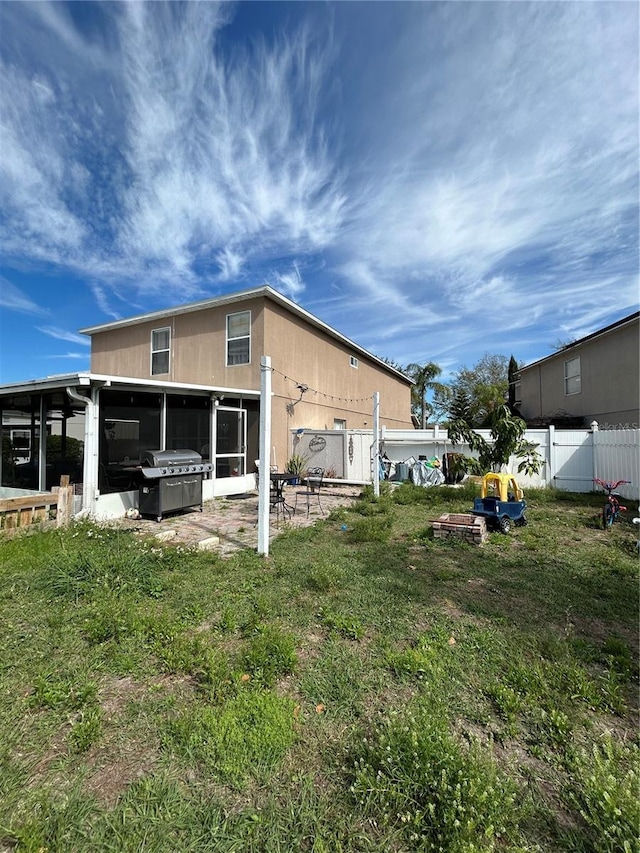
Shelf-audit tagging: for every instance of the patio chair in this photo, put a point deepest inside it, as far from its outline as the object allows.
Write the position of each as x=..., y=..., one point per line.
x=115, y=479
x=311, y=494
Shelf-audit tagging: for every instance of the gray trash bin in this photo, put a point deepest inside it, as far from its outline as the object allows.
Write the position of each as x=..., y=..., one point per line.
x=402, y=471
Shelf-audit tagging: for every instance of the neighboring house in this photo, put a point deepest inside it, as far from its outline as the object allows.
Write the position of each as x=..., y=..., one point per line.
x=189, y=377
x=596, y=378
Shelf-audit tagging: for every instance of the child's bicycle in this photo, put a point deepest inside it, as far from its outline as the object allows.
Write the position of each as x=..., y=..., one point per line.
x=613, y=507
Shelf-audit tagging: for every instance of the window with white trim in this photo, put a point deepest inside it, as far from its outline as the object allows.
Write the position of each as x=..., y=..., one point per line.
x=353, y=361
x=339, y=423
x=239, y=338
x=160, y=349
x=572, y=376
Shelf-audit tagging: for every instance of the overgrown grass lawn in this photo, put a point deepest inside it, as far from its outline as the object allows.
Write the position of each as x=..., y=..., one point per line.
x=365, y=688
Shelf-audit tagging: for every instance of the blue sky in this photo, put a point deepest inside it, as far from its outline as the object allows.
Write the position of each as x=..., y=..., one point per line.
x=434, y=180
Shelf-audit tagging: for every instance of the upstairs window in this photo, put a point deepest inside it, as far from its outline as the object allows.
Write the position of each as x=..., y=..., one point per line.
x=572, y=376
x=239, y=338
x=353, y=361
x=160, y=348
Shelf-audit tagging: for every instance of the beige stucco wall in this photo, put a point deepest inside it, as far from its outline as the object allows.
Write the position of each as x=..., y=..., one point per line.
x=299, y=351
x=610, y=381
x=198, y=342
x=302, y=354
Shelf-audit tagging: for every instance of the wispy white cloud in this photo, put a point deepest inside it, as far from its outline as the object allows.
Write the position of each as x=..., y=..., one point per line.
x=230, y=263
x=64, y=335
x=186, y=156
x=73, y=356
x=450, y=163
x=290, y=283
x=14, y=299
x=506, y=188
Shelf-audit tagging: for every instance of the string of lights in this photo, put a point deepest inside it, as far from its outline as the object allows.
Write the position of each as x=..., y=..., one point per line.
x=300, y=385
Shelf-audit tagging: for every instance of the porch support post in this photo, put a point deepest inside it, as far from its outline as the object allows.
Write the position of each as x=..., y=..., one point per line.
x=265, y=455
x=163, y=420
x=42, y=446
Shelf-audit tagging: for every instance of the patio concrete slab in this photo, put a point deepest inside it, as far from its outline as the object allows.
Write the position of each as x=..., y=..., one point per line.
x=233, y=521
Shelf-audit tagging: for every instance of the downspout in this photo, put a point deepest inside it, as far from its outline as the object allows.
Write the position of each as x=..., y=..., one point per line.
x=90, y=465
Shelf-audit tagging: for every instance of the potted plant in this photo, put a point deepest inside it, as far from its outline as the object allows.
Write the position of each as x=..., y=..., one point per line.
x=296, y=465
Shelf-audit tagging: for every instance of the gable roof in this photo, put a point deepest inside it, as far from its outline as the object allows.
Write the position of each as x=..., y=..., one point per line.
x=232, y=298
x=604, y=331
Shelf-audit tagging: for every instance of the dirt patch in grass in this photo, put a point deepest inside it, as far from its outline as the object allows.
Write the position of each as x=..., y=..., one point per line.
x=123, y=755
x=114, y=772
x=115, y=693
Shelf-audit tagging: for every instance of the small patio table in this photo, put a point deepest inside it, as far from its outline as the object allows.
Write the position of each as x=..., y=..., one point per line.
x=277, y=500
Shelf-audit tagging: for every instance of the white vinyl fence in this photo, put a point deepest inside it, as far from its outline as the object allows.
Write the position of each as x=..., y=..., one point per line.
x=572, y=458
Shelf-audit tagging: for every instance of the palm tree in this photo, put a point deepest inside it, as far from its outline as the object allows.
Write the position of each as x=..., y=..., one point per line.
x=424, y=376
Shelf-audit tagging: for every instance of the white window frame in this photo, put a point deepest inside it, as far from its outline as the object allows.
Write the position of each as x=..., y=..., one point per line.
x=237, y=338
x=340, y=423
x=241, y=452
x=574, y=375
x=158, y=351
x=353, y=361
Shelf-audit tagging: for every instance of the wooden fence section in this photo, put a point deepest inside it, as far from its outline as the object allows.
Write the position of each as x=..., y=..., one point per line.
x=20, y=513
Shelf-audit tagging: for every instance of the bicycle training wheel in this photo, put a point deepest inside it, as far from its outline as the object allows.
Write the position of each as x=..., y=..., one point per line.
x=607, y=516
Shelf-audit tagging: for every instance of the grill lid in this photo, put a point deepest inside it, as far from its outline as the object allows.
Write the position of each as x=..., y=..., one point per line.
x=169, y=458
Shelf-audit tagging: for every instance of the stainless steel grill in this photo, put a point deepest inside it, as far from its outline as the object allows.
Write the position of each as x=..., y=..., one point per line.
x=171, y=481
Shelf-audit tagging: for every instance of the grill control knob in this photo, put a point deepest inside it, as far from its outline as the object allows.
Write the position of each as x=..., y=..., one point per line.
x=163, y=471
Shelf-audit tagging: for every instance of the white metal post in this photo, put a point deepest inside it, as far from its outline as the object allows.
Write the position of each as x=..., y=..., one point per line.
x=376, y=445
x=265, y=455
x=163, y=420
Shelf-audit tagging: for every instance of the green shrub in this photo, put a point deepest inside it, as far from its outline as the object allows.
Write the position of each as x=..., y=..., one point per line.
x=372, y=529
x=325, y=575
x=182, y=652
x=58, y=691
x=86, y=730
x=269, y=654
x=111, y=617
x=606, y=787
x=345, y=626
x=427, y=658
x=97, y=559
x=410, y=774
x=247, y=736
x=618, y=658
x=369, y=504
x=408, y=494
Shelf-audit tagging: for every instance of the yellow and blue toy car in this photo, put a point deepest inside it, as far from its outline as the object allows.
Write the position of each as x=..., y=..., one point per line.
x=501, y=502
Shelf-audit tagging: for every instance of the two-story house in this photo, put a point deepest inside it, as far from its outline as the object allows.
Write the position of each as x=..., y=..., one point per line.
x=596, y=378
x=189, y=377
